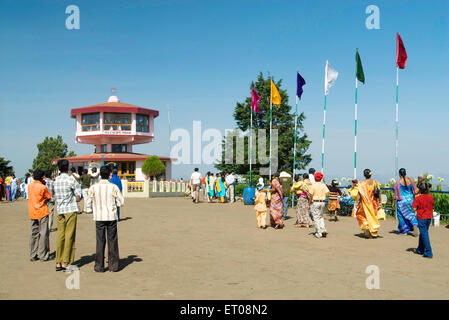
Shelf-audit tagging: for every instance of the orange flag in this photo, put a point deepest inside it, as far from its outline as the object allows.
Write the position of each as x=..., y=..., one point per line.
x=275, y=97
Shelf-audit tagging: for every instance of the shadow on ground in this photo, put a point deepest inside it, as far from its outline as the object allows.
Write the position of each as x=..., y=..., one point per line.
x=127, y=261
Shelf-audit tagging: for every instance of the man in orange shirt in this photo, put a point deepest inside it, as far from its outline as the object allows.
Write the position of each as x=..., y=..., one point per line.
x=38, y=196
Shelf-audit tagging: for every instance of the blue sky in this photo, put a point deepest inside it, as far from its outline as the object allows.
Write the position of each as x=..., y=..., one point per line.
x=199, y=57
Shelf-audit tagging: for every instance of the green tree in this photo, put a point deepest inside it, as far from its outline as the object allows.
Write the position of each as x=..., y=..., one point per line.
x=283, y=121
x=153, y=167
x=5, y=168
x=49, y=149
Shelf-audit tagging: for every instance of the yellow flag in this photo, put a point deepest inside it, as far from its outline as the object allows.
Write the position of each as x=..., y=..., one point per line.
x=275, y=97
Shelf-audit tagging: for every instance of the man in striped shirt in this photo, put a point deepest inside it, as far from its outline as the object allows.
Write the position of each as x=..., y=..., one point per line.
x=103, y=199
x=67, y=193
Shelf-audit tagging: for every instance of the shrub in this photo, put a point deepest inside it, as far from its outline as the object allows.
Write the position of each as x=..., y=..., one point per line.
x=153, y=167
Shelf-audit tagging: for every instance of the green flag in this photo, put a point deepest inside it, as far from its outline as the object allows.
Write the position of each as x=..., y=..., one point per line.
x=359, y=69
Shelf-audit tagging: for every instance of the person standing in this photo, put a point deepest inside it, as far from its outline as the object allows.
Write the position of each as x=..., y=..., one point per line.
x=2, y=188
x=67, y=195
x=367, y=203
x=14, y=187
x=423, y=205
x=86, y=180
x=104, y=198
x=230, y=181
x=50, y=184
x=286, y=182
x=318, y=193
x=276, y=203
x=195, y=182
x=8, y=188
x=39, y=212
x=28, y=181
x=116, y=180
x=260, y=205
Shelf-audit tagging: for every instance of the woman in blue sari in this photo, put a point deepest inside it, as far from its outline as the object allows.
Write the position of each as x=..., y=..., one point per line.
x=404, y=194
x=220, y=188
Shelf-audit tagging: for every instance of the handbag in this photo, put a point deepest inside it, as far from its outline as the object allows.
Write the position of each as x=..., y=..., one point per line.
x=381, y=214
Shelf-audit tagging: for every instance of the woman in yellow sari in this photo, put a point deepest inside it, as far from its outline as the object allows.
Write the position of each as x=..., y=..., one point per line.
x=367, y=204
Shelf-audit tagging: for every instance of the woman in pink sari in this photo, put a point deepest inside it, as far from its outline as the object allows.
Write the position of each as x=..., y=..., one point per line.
x=276, y=203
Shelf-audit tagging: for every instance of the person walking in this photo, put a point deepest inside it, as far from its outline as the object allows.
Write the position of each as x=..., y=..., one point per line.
x=286, y=181
x=334, y=199
x=38, y=210
x=230, y=181
x=13, y=187
x=318, y=193
x=95, y=176
x=423, y=205
x=367, y=203
x=103, y=199
x=353, y=193
x=302, y=188
x=116, y=180
x=312, y=175
x=404, y=194
x=276, y=203
x=220, y=187
x=67, y=195
x=50, y=184
x=195, y=182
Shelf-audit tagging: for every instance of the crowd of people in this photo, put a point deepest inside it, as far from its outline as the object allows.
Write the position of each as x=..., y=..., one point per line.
x=219, y=187
x=61, y=195
x=13, y=188
x=414, y=205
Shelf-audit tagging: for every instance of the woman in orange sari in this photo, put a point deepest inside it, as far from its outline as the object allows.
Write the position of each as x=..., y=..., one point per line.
x=367, y=204
x=276, y=203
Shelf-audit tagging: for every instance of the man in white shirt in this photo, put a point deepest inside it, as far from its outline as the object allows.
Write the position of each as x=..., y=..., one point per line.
x=312, y=175
x=230, y=181
x=95, y=176
x=103, y=199
x=195, y=182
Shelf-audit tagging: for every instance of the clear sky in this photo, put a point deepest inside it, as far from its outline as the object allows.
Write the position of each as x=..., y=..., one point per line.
x=199, y=57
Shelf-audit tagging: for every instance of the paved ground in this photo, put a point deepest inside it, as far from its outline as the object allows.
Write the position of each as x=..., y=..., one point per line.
x=174, y=249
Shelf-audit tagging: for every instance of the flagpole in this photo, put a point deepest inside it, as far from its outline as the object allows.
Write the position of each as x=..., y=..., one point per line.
x=355, y=131
x=324, y=134
x=397, y=124
x=251, y=147
x=271, y=117
x=294, y=147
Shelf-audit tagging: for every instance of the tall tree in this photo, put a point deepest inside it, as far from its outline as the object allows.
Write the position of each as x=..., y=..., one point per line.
x=49, y=149
x=5, y=168
x=283, y=121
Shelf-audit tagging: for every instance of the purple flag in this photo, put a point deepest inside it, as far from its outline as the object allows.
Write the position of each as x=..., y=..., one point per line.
x=299, y=83
x=254, y=101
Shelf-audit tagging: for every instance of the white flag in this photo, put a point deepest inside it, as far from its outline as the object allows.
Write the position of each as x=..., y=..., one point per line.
x=330, y=75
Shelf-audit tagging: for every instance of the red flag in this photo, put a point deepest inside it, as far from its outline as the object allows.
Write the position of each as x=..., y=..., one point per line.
x=401, y=55
x=254, y=101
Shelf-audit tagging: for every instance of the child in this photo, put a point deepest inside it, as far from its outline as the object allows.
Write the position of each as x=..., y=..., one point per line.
x=423, y=205
x=261, y=207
